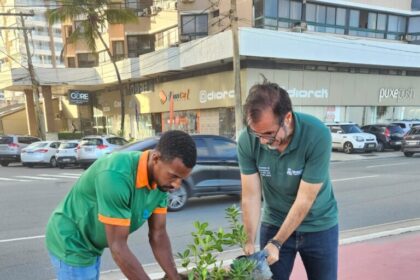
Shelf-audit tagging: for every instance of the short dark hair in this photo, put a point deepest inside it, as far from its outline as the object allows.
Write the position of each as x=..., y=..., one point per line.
x=263, y=96
x=177, y=144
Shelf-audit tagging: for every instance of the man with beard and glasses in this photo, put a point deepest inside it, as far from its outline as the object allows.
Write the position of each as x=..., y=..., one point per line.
x=112, y=199
x=284, y=157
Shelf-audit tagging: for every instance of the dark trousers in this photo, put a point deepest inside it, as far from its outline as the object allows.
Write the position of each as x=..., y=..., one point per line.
x=318, y=251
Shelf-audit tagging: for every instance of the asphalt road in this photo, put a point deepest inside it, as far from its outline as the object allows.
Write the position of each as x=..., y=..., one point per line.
x=369, y=192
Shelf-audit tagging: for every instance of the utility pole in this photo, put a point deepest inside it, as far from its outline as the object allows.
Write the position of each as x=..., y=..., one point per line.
x=236, y=68
x=35, y=84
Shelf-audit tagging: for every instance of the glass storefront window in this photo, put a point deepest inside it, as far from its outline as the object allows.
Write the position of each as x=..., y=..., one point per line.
x=341, y=17
x=310, y=12
x=270, y=8
x=227, y=122
x=284, y=8
x=182, y=120
x=295, y=10
x=381, y=25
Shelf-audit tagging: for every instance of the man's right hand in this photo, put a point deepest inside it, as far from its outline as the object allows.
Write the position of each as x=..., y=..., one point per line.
x=249, y=248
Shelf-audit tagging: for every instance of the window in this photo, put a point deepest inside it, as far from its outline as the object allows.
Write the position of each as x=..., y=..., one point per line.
x=68, y=30
x=78, y=25
x=224, y=148
x=118, y=50
x=194, y=26
x=414, y=25
x=141, y=44
x=71, y=62
x=201, y=146
x=381, y=24
x=354, y=18
x=341, y=17
x=87, y=60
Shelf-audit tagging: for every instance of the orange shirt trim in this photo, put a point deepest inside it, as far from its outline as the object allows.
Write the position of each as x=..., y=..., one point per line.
x=114, y=221
x=160, y=211
x=142, y=179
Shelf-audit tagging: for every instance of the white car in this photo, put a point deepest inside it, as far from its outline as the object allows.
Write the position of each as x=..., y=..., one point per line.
x=67, y=153
x=406, y=125
x=93, y=147
x=348, y=137
x=42, y=152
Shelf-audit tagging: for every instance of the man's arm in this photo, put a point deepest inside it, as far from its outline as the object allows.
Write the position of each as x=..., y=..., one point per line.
x=161, y=245
x=251, y=208
x=306, y=196
x=117, y=242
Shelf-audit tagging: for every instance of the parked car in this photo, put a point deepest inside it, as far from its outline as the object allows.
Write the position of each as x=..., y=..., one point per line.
x=42, y=152
x=389, y=136
x=216, y=172
x=348, y=137
x=411, y=142
x=406, y=125
x=11, y=147
x=92, y=147
x=67, y=153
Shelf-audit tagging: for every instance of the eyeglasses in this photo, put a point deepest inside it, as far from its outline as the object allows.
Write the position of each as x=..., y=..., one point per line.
x=271, y=138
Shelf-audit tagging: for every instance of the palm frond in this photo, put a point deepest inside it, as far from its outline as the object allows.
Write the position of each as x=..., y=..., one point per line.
x=89, y=35
x=115, y=16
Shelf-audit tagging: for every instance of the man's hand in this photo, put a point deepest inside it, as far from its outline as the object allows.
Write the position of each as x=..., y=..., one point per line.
x=249, y=248
x=273, y=253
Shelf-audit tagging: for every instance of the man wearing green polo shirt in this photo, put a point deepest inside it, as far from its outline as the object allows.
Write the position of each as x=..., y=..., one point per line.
x=112, y=199
x=284, y=157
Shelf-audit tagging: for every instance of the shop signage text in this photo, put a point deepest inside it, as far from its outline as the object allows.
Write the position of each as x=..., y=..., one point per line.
x=177, y=96
x=78, y=97
x=301, y=93
x=398, y=94
x=140, y=87
x=206, y=96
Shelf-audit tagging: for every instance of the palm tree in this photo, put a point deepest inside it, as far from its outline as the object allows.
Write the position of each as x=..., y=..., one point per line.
x=97, y=14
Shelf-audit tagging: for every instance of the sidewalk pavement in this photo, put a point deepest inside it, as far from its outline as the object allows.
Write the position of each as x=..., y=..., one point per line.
x=387, y=252
x=340, y=156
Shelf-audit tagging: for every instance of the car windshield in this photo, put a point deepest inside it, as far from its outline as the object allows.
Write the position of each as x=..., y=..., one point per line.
x=394, y=129
x=6, y=140
x=38, y=145
x=143, y=145
x=351, y=128
x=91, y=142
x=415, y=131
x=68, y=145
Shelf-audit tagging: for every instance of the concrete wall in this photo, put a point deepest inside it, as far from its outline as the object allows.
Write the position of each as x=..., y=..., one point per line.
x=15, y=123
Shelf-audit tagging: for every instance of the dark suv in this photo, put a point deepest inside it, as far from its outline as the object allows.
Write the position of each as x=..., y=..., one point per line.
x=389, y=136
x=411, y=142
x=216, y=171
x=11, y=146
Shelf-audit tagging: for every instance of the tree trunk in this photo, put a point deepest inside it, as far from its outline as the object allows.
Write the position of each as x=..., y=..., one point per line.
x=121, y=87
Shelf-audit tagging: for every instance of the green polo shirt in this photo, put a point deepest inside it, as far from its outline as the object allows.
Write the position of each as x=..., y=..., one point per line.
x=115, y=191
x=306, y=158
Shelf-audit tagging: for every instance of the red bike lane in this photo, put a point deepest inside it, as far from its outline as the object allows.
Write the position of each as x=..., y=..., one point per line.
x=388, y=258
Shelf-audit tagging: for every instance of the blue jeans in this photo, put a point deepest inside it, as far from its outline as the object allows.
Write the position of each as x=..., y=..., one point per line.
x=68, y=272
x=318, y=251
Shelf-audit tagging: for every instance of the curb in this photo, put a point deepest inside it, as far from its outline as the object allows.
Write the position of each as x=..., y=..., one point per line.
x=346, y=237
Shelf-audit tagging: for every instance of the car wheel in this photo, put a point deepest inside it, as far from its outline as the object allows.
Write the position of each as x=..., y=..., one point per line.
x=380, y=147
x=53, y=162
x=348, y=148
x=408, y=154
x=4, y=163
x=177, y=199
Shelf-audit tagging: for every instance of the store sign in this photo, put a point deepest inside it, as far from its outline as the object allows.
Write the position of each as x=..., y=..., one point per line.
x=207, y=96
x=78, y=97
x=306, y=94
x=397, y=94
x=139, y=87
x=177, y=96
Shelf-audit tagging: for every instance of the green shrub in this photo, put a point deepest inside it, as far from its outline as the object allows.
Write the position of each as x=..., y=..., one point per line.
x=68, y=135
x=207, y=243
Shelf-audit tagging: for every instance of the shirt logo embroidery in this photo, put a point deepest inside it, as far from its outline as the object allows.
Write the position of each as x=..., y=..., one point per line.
x=292, y=172
x=146, y=214
x=264, y=171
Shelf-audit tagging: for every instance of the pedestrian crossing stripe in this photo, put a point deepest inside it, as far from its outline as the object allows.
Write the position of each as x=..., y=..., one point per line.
x=34, y=177
x=8, y=179
x=60, y=176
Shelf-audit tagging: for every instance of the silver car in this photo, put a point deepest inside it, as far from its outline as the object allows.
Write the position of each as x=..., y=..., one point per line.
x=67, y=153
x=93, y=147
x=11, y=147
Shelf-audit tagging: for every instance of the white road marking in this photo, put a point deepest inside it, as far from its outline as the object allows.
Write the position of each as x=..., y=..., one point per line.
x=390, y=164
x=354, y=178
x=8, y=179
x=59, y=176
x=36, y=178
x=22, y=238
x=72, y=174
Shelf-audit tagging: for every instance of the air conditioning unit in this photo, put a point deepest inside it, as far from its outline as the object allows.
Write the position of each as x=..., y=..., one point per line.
x=300, y=27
